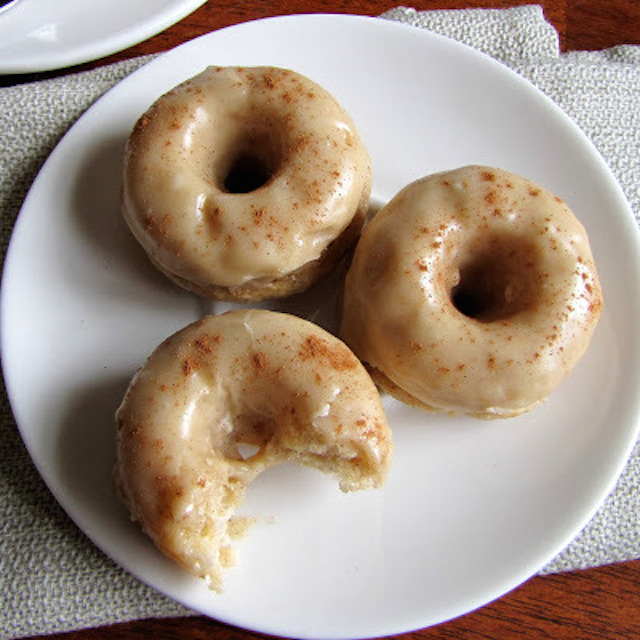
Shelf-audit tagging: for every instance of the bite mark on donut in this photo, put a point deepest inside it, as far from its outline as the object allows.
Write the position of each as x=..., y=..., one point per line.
x=246, y=439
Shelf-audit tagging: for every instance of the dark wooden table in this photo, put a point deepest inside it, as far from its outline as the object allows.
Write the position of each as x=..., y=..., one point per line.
x=598, y=604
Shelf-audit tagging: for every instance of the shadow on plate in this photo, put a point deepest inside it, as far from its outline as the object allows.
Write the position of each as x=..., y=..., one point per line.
x=117, y=264
x=86, y=446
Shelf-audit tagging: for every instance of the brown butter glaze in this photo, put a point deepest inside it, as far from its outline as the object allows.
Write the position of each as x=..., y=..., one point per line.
x=268, y=380
x=472, y=291
x=243, y=179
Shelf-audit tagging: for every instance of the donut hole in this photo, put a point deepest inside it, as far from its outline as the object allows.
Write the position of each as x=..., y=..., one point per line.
x=250, y=163
x=498, y=279
x=250, y=436
x=247, y=450
x=247, y=173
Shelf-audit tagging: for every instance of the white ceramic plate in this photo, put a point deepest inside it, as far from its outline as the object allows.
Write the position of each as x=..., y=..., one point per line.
x=471, y=508
x=39, y=35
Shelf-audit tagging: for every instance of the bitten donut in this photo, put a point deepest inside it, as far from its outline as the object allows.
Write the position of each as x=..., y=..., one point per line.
x=245, y=183
x=472, y=291
x=259, y=378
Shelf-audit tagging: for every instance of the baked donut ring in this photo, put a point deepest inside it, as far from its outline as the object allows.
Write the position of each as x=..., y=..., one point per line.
x=245, y=183
x=472, y=291
x=256, y=377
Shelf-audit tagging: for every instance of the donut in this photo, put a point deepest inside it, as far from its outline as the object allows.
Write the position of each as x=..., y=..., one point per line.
x=243, y=184
x=473, y=291
x=265, y=381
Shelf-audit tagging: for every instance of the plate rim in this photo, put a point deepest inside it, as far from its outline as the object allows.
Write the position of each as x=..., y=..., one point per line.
x=43, y=61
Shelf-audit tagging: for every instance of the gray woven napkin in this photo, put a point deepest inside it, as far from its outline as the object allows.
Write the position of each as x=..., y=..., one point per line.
x=52, y=579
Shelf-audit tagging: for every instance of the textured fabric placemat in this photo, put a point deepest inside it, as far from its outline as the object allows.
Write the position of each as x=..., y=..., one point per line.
x=52, y=578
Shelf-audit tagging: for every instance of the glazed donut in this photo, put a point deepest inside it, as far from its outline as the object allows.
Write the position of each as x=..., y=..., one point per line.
x=245, y=183
x=258, y=378
x=472, y=291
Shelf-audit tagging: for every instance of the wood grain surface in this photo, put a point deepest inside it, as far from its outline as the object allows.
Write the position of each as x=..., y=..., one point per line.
x=582, y=24
x=595, y=604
